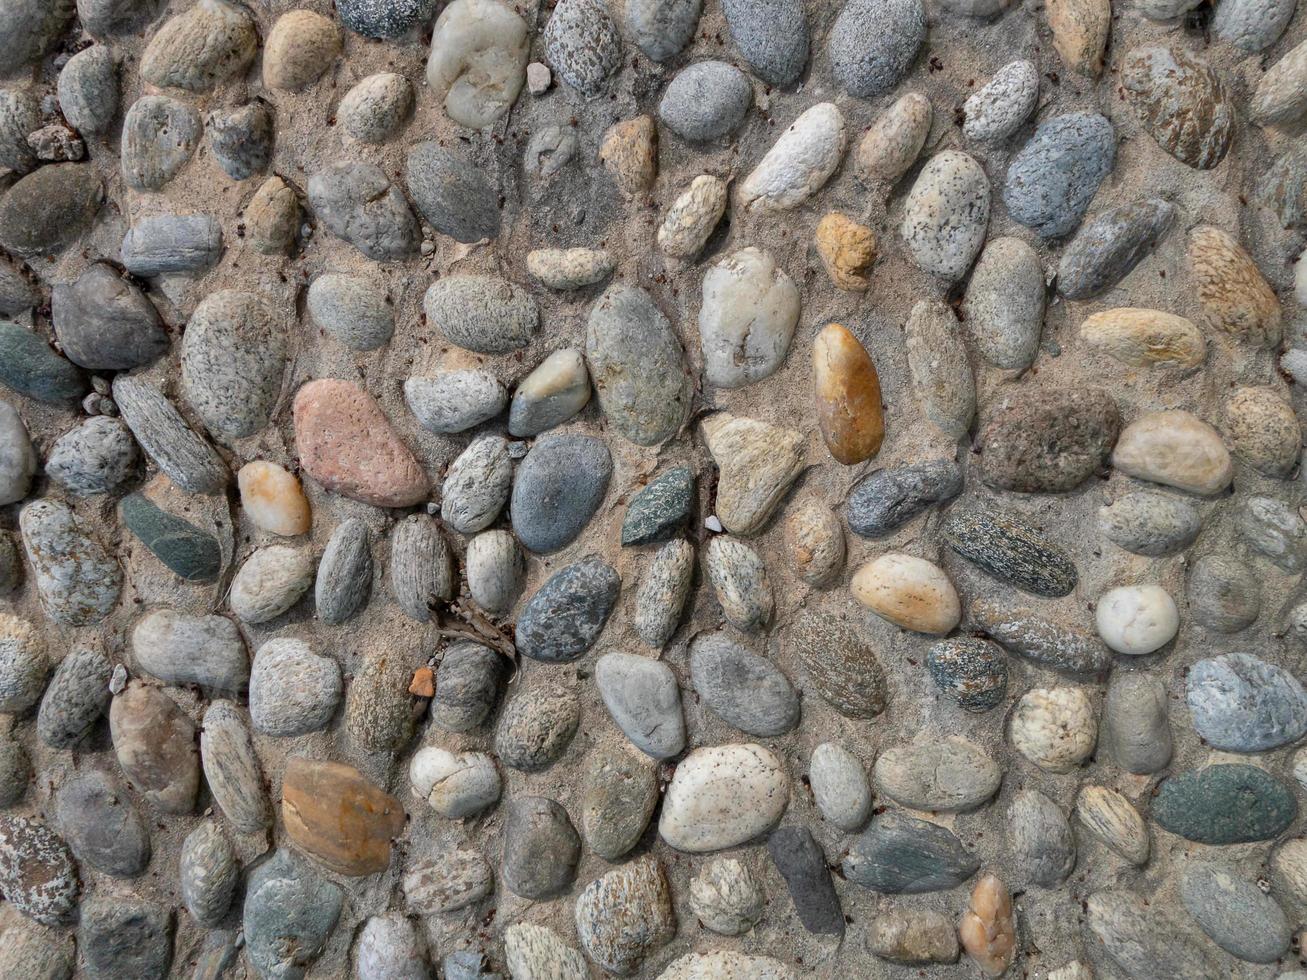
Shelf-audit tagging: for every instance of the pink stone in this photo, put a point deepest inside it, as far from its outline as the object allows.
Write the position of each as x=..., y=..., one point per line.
x=347, y=444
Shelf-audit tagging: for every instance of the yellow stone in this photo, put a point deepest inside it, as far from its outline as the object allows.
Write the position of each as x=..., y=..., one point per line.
x=333, y=814
x=847, y=249
x=1235, y=297
x=848, y=396
x=629, y=152
x=1145, y=338
x=273, y=498
x=1080, y=30
x=909, y=592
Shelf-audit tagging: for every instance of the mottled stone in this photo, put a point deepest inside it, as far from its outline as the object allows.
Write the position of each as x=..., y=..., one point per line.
x=467, y=686
x=664, y=588
x=902, y=855
x=292, y=690
x=273, y=219
x=557, y=490
x=209, y=874
x=336, y=816
x=1145, y=338
x=485, y=314
x=477, y=485
x=125, y=939
x=353, y=309
x=621, y=791
x=839, y=664
x=102, y=826
x=495, y=570
x=450, y=880
x=1136, y=733
x=376, y=108
x=1053, y=178
x=873, y=43
x=232, y=769
x=289, y=914
x=1234, y=297
x=1275, y=530
x=706, y=101
x=565, y=269
x=946, y=215
x=1050, y=645
x=814, y=542
x=661, y=509
x=234, y=353
x=554, y=392
x=742, y=688
x=1224, y=594
x=453, y=401
x=692, y=218
x=204, y=45
x=885, y=500
x=1183, y=103
x=726, y=898
x=1010, y=550
x=392, y=947
x=1040, y=840
x=583, y=45
x=358, y=203
x=536, y=951
x=37, y=871
x=270, y=582
x=970, y=671
x=1224, y=804
x=913, y=937
x=74, y=700
x=378, y=707
x=384, y=20
x=894, y=141
x=1055, y=728
x=740, y=583
x=1143, y=939
x=1002, y=105
x=723, y=796
x=1106, y=249
x=662, y=28
x=644, y=700
x=159, y=137
x=541, y=848
x=629, y=153
x=536, y=726
x=757, y=463
x=1048, y=440
x=1239, y=703
x=625, y=916
x=154, y=741
x=771, y=35
x=77, y=580
x=1113, y=821
x=941, y=375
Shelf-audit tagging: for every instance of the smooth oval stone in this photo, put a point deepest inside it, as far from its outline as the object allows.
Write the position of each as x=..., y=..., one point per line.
x=662, y=28
x=536, y=726
x=494, y=569
x=76, y=697
x=998, y=110
x=661, y=509
x=154, y=741
x=103, y=322
x=78, y=582
x=477, y=485
x=347, y=444
x=799, y=163
x=663, y=591
x=1040, y=839
x=168, y=243
x=909, y=592
x=358, y=203
x=621, y=791
x=352, y=309
x=569, y=268
x=337, y=817
x=452, y=193
x=637, y=365
x=739, y=580
x=564, y=618
x=1235, y=913
x=456, y=786
x=183, y=649
x=288, y=916
x=913, y=937
x=159, y=137
x=894, y=141
x=557, y=490
x=1145, y=338
x=1177, y=449
x=1150, y=524
x=814, y=542
x=344, y=580
x=292, y=689
x=950, y=775
x=885, y=500
x=747, y=319
x=17, y=294
x=1242, y=704
x=232, y=769
x=1004, y=303
x=1052, y=179
x=1136, y=619
x=1048, y=440
x=1224, y=594
x=269, y=582
x=1106, y=249
x=29, y=367
x=1136, y=732
x=625, y=915
x=101, y=825
x=1048, y=644
x=485, y=314
x=1143, y=939
x=1054, y=728
x=209, y=874
x=873, y=43
x=1263, y=430
x=756, y=463
x=1183, y=103
x=706, y=101
x=273, y=499
x=192, y=554
x=942, y=379
x=421, y=573
x=377, y=108
x=467, y=686
x=233, y=357
x=478, y=60
x=771, y=35
x=125, y=940
x=898, y=854
x=242, y=139
x=551, y=394
x=449, y=881
x=840, y=665
x=49, y=209
x=839, y=786
x=541, y=848
x=1113, y=820
x=970, y=671
x=946, y=215
x=195, y=50
x=1275, y=530
x=37, y=871
x=802, y=863
x=691, y=219
x=583, y=45
x=723, y=796
x=848, y=395
x=742, y=688
x=1235, y=298
x=383, y=21
x=454, y=401
x=642, y=696
x=1252, y=25
x=1224, y=804
x=1011, y=551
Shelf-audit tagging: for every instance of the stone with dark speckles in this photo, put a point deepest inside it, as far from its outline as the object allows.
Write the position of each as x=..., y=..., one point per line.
x=1225, y=804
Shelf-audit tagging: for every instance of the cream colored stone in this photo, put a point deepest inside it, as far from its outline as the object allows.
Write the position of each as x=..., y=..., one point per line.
x=629, y=152
x=1177, y=449
x=1136, y=619
x=1145, y=338
x=1055, y=728
x=988, y=928
x=478, y=60
x=799, y=163
x=273, y=498
x=894, y=141
x=1114, y=821
x=692, y=217
x=722, y=796
x=300, y=47
x=757, y=463
x=1080, y=31
x=909, y=592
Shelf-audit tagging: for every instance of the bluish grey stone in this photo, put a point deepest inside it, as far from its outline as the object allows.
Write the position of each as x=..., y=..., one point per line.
x=74, y=700
x=18, y=459
x=1236, y=914
x=887, y=499
x=385, y=19
x=742, y=688
x=1053, y=178
x=1040, y=840
x=771, y=35
x=873, y=43
x=166, y=243
x=78, y=581
x=558, y=488
x=467, y=686
x=29, y=367
x=88, y=90
x=661, y=509
x=289, y=915
x=1228, y=803
x=353, y=310
x=159, y=136
x=541, y=848
x=1274, y=529
x=898, y=854
x=17, y=294
x=970, y=671
x=1149, y=523
x=194, y=555
x=1224, y=594
x=1136, y=732
x=103, y=828
x=565, y=617
x=105, y=323
x=1242, y=704
x=662, y=28
x=1108, y=248
x=1011, y=551
x=242, y=139
x=452, y=192
x=1143, y=939
x=802, y=864
x=642, y=696
x=49, y=209
x=357, y=202
x=706, y=101
x=344, y=580
x=125, y=939
x=20, y=115
x=583, y=45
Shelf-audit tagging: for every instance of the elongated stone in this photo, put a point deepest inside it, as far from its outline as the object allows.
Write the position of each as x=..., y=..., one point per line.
x=663, y=591
x=740, y=583
x=288, y=916
x=814, y=542
x=356, y=202
x=76, y=697
x=1114, y=821
x=378, y=706
x=839, y=664
x=344, y=580
x=485, y=314
x=209, y=874
x=1011, y=551
x=554, y=392
x=747, y=319
x=898, y=854
x=1046, y=643
x=467, y=686
x=191, y=553
x=950, y=775
x=182, y=649
x=1136, y=732
x=799, y=163
x=887, y=499
x=802, y=864
x=1177, y=449
x=78, y=582
x=449, y=881
x=1040, y=839
x=1004, y=303
x=848, y=396
x=1107, y=249
x=1224, y=804
x=168, y=243
x=1236, y=300
x=941, y=375
x=1235, y=913
x=421, y=573
x=167, y=439
x=946, y=215
x=232, y=770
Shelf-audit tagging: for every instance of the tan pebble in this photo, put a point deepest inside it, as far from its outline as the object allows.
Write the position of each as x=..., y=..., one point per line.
x=1055, y=728
x=1080, y=29
x=914, y=937
x=847, y=249
x=1289, y=865
x=1263, y=430
x=569, y=268
x=1112, y=819
x=848, y=396
x=1235, y=298
x=272, y=218
x=335, y=815
x=756, y=463
x=988, y=930
x=1075, y=970
x=1145, y=338
x=300, y=47
x=894, y=141
x=692, y=217
x=1176, y=449
x=423, y=684
x=814, y=542
x=908, y=592
x=273, y=498
x=629, y=152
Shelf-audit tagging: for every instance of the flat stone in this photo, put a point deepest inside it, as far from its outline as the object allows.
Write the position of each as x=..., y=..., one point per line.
x=456, y=786
x=1242, y=704
x=1113, y=820
x=204, y=45
x=1224, y=804
x=814, y=542
x=125, y=940
x=950, y=775
x=1183, y=103
x=454, y=401
x=644, y=700
x=167, y=438
x=662, y=28
x=621, y=791
x=1235, y=913
x=77, y=580
x=333, y=814
x=477, y=485
x=536, y=726
x=557, y=490
x=1004, y=303
x=839, y=665
x=377, y=108
x=902, y=855
x=839, y=786
x=706, y=101
x=452, y=193
x=554, y=392
x=661, y=509
x=1107, y=249
x=192, y=554
x=169, y=243
x=1053, y=178
x=378, y=706
x=182, y=649
x=292, y=690
x=970, y=671
x=160, y=135
x=802, y=864
x=742, y=688
x=49, y=209
x=801, y=160
x=565, y=269
x=885, y=500
x=1048, y=440
x=541, y=848
x=725, y=897
x=103, y=322
x=726, y=963
x=102, y=826
x=1252, y=26
x=391, y=946
x=299, y=48
x=740, y=583
x=894, y=140
x=872, y=44
x=232, y=769
x=29, y=367
x=154, y=742
x=467, y=686
x=1010, y=550
x=485, y=314
x=74, y=700
x=1136, y=619
x=358, y=203
x=942, y=379
x=1150, y=524
x=1234, y=297
x=946, y=214
x=1040, y=839
x=747, y=319
x=913, y=937
x=353, y=309
x=625, y=915
x=1136, y=732
x=723, y=796
x=1143, y=939
x=449, y=881
x=1275, y=530
x=343, y=583
x=478, y=60
x=269, y=582
x=909, y=592
x=289, y=914
x=771, y=35
x=1043, y=642
x=757, y=463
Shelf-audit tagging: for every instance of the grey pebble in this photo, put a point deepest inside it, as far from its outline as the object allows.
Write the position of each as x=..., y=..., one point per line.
x=167, y=439
x=664, y=588
x=536, y=726
x=898, y=854
x=885, y=500
x=495, y=570
x=1136, y=733
x=1235, y=913
x=1152, y=524
x=101, y=825
x=1040, y=840
x=484, y=314
x=31, y=28
x=726, y=898
x=166, y=243
x=125, y=939
x=376, y=108
x=269, y=582
x=1240, y=703
x=662, y=28
x=209, y=874
x=74, y=700
x=1275, y=530
x=111, y=17
x=421, y=567
x=1143, y=939
x=1224, y=594
x=232, y=769
x=18, y=458
x=1108, y=248
x=391, y=947
x=839, y=786
x=49, y=209
x=344, y=580
x=941, y=374
x=242, y=139
x=583, y=45
x=292, y=690
x=352, y=309
x=467, y=686
x=378, y=708
x=644, y=700
x=453, y=401
x=88, y=90
x=1041, y=641
x=159, y=136
x=771, y=35
x=706, y=101
x=1002, y=105
x=19, y=116
x=384, y=19
x=873, y=43
x=451, y=880
x=802, y=864
x=970, y=671
x=557, y=490
x=288, y=917
x=621, y=791
x=554, y=392
x=1252, y=25
x=477, y=485
x=179, y=649
x=1004, y=303
x=15, y=774
x=742, y=688
x=78, y=581
x=946, y=775
x=660, y=509
x=1010, y=550
x=541, y=848
x=29, y=367
x=1053, y=178
x=357, y=202
x=946, y=214
x=452, y=192
x=739, y=580
x=17, y=294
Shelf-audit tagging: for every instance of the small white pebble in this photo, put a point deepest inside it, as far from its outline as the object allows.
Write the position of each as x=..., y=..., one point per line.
x=713, y=524
x=119, y=679
x=538, y=78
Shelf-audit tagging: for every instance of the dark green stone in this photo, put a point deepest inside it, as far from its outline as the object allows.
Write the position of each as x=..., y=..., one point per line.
x=661, y=509
x=31, y=368
x=1225, y=804
x=1011, y=551
x=191, y=553
x=900, y=855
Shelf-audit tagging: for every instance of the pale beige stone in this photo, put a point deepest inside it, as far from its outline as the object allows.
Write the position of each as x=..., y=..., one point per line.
x=1145, y=338
x=1235, y=297
x=1055, y=728
x=693, y=216
x=1080, y=30
x=273, y=498
x=1177, y=449
x=1114, y=821
x=847, y=249
x=909, y=592
x=988, y=929
x=629, y=152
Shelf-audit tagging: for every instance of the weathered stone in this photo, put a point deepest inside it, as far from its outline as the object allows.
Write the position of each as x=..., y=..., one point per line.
x=535, y=951
x=352, y=309
x=168, y=243
x=662, y=28
x=894, y=141
x=625, y=915
x=37, y=871
x=452, y=193
x=453, y=401
x=1052, y=179
x=946, y=215
x=358, y=203
x=1039, y=839
x=706, y=101
x=629, y=153
x=49, y=209
x=378, y=708
x=449, y=881
x=902, y=855
x=288, y=917
x=557, y=490
x=802, y=864
x=174, y=447
x=740, y=582
x=913, y=937
x=181, y=649
x=477, y=485
x=159, y=137
x=270, y=582
x=300, y=47
x=621, y=791
x=1055, y=728
x=872, y=44
x=970, y=671
x=209, y=874
x=1224, y=804
x=1049, y=440
x=1183, y=103
x=1107, y=249
x=814, y=542
x=742, y=688
x=950, y=775
x=154, y=741
x=725, y=897
x=723, y=796
x=840, y=665
x=771, y=35
x=541, y=848
x=801, y=160
x=941, y=375
x=693, y=216
x=885, y=500
x=644, y=700
x=242, y=139
x=1224, y=594
x=456, y=786
x=200, y=47
x=583, y=45
x=103, y=322
x=1143, y=939
x=332, y=813
x=343, y=582
x=1048, y=644
x=467, y=686
x=273, y=219
x=1275, y=530
x=1011, y=551
x=1145, y=338
x=377, y=108
x=101, y=826
x=756, y=463
x=232, y=769
x=1136, y=733
x=747, y=319
x=1235, y=298
x=1111, y=818
x=74, y=700
x=125, y=939
x=494, y=570
x=535, y=727
x=1235, y=913
x=1002, y=105
x=292, y=689
x=77, y=580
